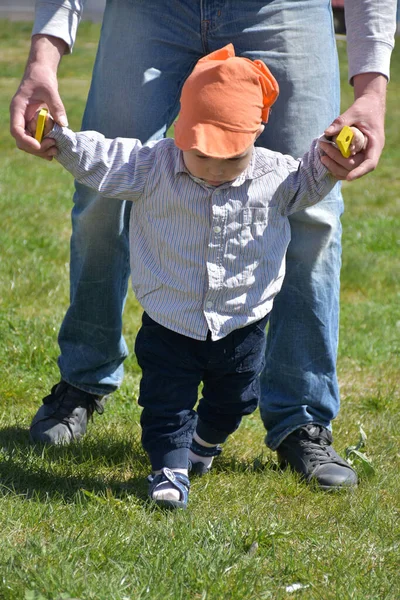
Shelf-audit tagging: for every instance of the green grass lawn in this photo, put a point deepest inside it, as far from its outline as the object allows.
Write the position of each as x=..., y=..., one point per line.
x=75, y=522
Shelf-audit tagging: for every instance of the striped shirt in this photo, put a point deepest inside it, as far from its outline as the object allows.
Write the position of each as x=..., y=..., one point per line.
x=202, y=258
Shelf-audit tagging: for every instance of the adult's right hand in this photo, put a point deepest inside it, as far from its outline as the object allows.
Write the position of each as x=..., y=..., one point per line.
x=39, y=87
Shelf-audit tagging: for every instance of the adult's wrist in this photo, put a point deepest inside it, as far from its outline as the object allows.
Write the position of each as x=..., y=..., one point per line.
x=370, y=83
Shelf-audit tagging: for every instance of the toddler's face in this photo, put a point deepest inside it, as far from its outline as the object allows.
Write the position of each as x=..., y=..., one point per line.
x=216, y=171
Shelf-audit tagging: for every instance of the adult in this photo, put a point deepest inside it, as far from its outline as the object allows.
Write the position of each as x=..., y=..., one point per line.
x=146, y=51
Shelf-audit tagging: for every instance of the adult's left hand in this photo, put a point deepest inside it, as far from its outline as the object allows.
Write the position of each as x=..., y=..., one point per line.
x=339, y=166
x=368, y=114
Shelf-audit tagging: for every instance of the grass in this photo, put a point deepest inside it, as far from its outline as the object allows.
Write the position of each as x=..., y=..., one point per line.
x=75, y=521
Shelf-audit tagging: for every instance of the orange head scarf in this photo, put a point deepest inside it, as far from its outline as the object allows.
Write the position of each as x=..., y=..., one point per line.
x=223, y=103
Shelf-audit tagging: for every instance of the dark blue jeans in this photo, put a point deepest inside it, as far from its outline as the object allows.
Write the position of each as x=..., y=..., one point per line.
x=173, y=366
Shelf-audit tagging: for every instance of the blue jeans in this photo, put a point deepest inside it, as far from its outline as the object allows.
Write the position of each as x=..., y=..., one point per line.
x=147, y=49
x=173, y=366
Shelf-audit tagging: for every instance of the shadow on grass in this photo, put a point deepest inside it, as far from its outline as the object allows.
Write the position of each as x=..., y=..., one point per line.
x=236, y=465
x=43, y=472
x=89, y=468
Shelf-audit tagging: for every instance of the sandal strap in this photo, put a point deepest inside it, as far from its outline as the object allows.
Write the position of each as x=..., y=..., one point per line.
x=178, y=480
x=204, y=451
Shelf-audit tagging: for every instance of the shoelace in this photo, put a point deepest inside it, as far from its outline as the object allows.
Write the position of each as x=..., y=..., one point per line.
x=66, y=405
x=316, y=441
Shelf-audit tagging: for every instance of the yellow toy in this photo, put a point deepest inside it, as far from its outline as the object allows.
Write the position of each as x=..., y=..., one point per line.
x=343, y=141
x=41, y=120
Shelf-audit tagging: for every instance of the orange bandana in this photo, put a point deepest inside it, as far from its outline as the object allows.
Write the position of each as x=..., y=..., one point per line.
x=223, y=102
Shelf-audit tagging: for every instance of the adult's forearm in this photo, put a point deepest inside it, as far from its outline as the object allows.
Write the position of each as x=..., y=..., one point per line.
x=47, y=52
x=370, y=28
x=58, y=18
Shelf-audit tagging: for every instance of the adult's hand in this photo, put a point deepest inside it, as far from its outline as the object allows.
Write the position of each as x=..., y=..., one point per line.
x=39, y=87
x=368, y=114
x=337, y=164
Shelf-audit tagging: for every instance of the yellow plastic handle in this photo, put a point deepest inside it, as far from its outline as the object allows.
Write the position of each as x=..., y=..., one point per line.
x=41, y=120
x=343, y=141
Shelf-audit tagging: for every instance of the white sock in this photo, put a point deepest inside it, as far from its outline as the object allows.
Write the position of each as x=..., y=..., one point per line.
x=195, y=458
x=166, y=491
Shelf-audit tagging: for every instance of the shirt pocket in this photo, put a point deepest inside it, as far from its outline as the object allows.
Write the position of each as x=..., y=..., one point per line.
x=255, y=251
x=254, y=223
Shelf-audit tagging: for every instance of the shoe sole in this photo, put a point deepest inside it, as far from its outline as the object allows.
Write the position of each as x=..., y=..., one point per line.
x=313, y=481
x=169, y=504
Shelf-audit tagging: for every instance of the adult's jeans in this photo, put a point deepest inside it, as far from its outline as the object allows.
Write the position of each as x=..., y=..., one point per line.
x=147, y=49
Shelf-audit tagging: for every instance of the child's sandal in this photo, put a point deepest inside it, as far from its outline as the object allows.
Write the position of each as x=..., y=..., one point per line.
x=199, y=468
x=168, y=478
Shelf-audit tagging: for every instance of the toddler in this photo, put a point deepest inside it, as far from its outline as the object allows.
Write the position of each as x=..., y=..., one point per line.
x=209, y=231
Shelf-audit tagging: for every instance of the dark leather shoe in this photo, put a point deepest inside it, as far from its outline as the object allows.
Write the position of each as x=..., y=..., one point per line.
x=308, y=451
x=64, y=415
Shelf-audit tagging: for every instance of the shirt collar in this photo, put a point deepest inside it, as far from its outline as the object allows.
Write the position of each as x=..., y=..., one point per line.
x=247, y=174
x=179, y=163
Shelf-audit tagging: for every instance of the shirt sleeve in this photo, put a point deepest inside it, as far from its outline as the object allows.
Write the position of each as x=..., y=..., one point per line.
x=59, y=18
x=116, y=168
x=308, y=181
x=370, y=30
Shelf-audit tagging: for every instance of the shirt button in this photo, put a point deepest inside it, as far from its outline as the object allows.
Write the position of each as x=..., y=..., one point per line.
x=209, y=304
x=217, y=229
